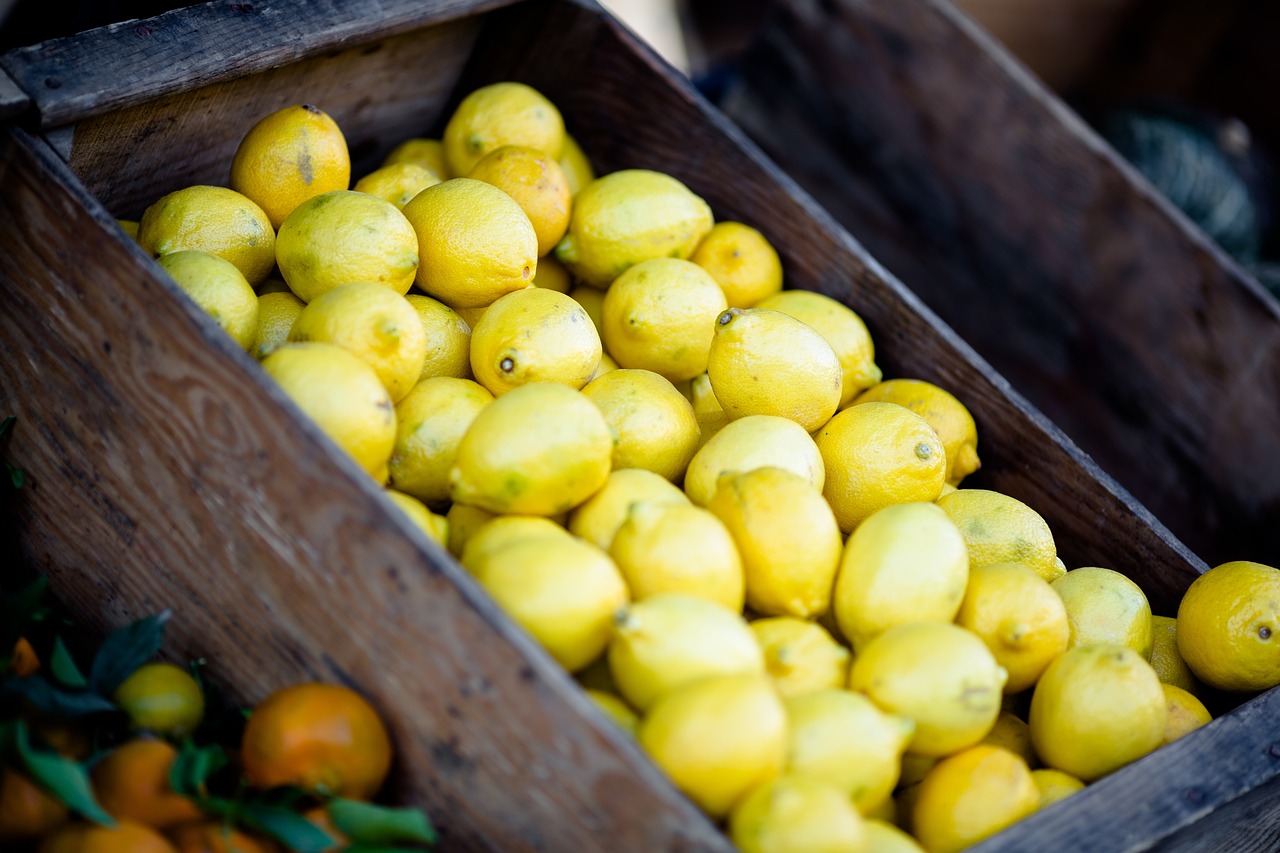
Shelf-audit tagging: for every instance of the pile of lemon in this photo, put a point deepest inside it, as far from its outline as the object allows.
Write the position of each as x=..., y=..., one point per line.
x=692, y=487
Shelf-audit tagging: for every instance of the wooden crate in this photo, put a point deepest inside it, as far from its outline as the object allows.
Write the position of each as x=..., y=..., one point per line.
x=168, y=471
x=1013, y=220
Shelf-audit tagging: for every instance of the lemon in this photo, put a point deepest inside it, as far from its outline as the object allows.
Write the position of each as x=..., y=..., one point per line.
x=702, y=396
x=215, y=220
x=552, y=275
x=598, y=518
x=764, y=362
x=1011, y=732
x=905, y=563
x=628, y=217
x=592, y=301
x=796, y=815
x=1104, y=606
x=541, y=449
x=577, y=168
x=616, y=710
x=884, y=837
x=219, y=288
x=947, y=415
x=668, y=641
x=1001, y=529
x=397, y=183
x=448, y=339
x=434, y=526
x=1166, y=661
x=342, y=395
x=536, y=182
x=938, y=675
x=655, y=425
x=498, y=115
x=427, y=153
x=801, y=656
x=342, y=237
x=534, y=335
x=1227, y=624
x=464, y=522
x=273, y=285
x=290, y=156
x=1019, y=616
x=876, y=455
x=665, y=548
x=1096, y=709
x=742, y=262
x=718, y=738
x=914, y=769
x=887, y=810
x=130, y=228
x=560, y=589
x=971, y=796
x=787, y=536
x=502, y=531
x=1186, y=713
x=1054, y=785
x=844, y=740
x=477, y=244
x=843, y=330
x=660, y=315
x=372, y=323
x=430, y=423
x=276, y=315
x=756, y=441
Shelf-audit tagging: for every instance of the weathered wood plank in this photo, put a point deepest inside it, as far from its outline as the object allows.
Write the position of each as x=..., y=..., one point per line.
x=13, y=101
x=1013, y=220
x=166, y=470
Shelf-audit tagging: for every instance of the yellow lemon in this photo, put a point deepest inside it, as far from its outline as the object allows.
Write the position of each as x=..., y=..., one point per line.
x=718, y=738
x=464, y=522
x=702, y=396
x=674, y=548
x=448, y=339
x=616, y=710
x=477, y=244
x=914, y=769
x=219, y=288
x=801, y=656
x=843, y=739
x=938, y=675
x=1165, y=658
x=1096, y=709
x=592, y=301
x=216, y=220
x=628, y=217
x=563, y=591
x=1227, y=624
x=757, y=441
x=430, y=423
x=796, y=815
x=1104, y=606
x=742, y=262
x=342, y=395
x=498, y=115
x=887, y=810
x=372, y=323
x=434, y=526
x=276, y=315
x=667, y=641
x=947, y=415
x=536, y=182
x=598, y=518
x=343, y=237
x=503, y=531
x=273, y=285
x=534, y=335
x=1054, y=785
x=884, y=837
x=1186, y=713
x=843, y=330
x=654, y=424
x=552, y=275
x=541, y=449
x=787, y=536
x=764, y=362
x=576, y=166
x=397, y=183
x=1011, y=732
x=876, y=455
x=1019, y=616
x=971, y=796
x=1001, y=529
x=130, y=228
x=905, y=563
x=288, y=157
x=427, y=153
x=660, y=315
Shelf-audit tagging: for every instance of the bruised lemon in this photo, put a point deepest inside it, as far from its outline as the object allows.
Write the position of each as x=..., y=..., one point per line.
x=655, y=425
x=430, y=423
x=1000, y=529
x=947, y=415
x=291, y=155
x=497, y=115
x=678, y=548
x=742, y=262
x=537, y=183
x=1227, y=625
x=397, y=183
x=534, y=335
x=216, y=220
x=801, y=656
x=598, y=518
x=220, y=289
x=756, y=441
x=843, y=329
x=793, y=814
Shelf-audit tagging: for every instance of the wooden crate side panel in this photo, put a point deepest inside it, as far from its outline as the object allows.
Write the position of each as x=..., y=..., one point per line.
x=167, y=471
x=1022, y=229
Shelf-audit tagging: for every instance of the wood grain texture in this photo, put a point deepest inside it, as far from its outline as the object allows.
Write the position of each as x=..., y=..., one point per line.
x=13, y=101
x=167, y=471
x=1012, y=219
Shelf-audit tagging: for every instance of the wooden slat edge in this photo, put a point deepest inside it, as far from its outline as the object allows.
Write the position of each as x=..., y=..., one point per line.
x=13, y=101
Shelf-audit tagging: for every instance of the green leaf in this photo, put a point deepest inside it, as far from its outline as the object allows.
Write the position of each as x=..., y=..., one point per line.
x=366, y=823
x=64, y=667
x=126, y=650
x=63, y=778
x=194, y=766
x=289, y=828
x=17, y=476
x=55, y=700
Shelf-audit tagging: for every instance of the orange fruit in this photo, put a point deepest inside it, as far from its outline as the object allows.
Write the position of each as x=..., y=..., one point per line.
x=132, y=783
x=24, y=661
x=124, y=837
x=212, y=836
x=322, y=737
x=26, y=811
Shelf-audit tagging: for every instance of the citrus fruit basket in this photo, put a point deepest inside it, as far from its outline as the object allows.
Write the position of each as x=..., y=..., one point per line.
x=169, y=470
x=976, y=185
